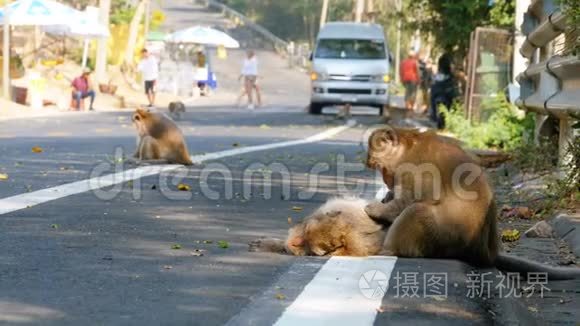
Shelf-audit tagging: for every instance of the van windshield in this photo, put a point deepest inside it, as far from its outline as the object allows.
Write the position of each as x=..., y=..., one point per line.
x=350, y=49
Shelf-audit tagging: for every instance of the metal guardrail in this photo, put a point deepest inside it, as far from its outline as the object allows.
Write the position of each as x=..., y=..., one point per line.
x=279, y=44
x=551, y=84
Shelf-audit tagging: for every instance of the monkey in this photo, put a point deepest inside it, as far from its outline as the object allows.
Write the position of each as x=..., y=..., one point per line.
x=340, y=227
x=159, y=140
x=176, y=109
x=443, y=205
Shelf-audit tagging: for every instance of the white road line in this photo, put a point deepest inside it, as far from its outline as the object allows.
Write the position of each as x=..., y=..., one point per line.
x=346, y=291
x=18, y=202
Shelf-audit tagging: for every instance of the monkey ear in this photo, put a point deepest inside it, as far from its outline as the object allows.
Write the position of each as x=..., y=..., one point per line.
x=389, y=135
x=296, y=241
x=333, y=213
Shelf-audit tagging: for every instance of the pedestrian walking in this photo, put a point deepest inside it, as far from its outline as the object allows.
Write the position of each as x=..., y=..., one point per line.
x=149, y=68
x=249, y=74
x=410, y=77
x=426, y=70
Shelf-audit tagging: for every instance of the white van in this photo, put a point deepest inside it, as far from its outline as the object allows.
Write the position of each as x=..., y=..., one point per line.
x=350, y=65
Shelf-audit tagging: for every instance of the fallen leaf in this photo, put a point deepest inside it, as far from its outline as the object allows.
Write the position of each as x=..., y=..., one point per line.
x=223, y=244
x=183, y=187
x=167, y=267
x=290, y=220
x=176, y=247
x=3, y=176
x=54, y=226
x=280, y=296
x=533, y=309
x=265, y=126
x=297, y=208
x=37, y=149
x=510, y=235
x=207, y=241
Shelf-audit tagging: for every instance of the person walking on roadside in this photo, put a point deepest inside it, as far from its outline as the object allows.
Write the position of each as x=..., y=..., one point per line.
x=81, y=89
x=426, y=69
x=410, y=78
x=149, y=68
x=250, y=76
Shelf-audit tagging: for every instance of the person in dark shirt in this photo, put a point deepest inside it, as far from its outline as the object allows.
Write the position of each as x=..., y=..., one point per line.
x=82, y=89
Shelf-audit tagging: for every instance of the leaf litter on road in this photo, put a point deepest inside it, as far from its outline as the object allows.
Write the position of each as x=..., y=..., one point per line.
x=37, y=149
x=176, y=246
x=223, y=244
x=3, y=176
x=183, y=187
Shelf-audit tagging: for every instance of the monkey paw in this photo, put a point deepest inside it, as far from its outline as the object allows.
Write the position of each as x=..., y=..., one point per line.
x=267, y=245
x=375, y=209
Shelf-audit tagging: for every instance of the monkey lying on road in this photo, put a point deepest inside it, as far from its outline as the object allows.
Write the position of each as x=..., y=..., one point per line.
x=340, y=227
x=159, y=140
x=443, y=205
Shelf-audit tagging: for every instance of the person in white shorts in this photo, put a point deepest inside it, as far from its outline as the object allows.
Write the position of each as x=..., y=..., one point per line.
x=250, y=77
x=149, y=68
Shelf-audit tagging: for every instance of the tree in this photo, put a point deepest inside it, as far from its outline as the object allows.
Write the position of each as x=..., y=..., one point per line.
x=133, y=31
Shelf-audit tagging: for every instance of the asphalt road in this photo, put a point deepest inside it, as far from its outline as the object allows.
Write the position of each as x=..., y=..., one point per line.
x=107, y=256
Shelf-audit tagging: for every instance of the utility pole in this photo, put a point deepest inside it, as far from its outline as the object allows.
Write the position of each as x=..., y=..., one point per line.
x=324, y=13
x=358, y=10
x=399, y=5
x=147, y=18
x=6, y=53
x=370, y=11
x=101, y=62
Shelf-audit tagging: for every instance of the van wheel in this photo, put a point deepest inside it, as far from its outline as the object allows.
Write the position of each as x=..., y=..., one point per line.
x=315, y=108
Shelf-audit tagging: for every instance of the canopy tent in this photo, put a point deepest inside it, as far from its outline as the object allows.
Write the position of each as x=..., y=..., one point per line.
x=85, y=25
x=37, y=13
x=30, y=13
x=156, y=36
x=203, y=35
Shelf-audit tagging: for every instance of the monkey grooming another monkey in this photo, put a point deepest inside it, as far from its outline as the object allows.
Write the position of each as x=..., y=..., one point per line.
x=176, y=109
x=340, y=227
x=159, y=140
x=443, y=206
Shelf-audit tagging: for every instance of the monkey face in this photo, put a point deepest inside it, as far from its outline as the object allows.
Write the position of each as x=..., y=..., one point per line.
x=383, y=144
x=295, y=242
x=322, y=234
x=139, y=119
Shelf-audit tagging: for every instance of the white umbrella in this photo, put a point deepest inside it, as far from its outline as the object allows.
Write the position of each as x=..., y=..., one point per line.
x=204, y=36
x=85, y=25
x=37, y=13
x=30, y=13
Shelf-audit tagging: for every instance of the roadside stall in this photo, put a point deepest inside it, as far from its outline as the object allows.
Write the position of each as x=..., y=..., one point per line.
x=207, y=39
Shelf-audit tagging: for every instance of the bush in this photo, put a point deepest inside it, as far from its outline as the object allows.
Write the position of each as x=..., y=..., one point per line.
x=505, y=129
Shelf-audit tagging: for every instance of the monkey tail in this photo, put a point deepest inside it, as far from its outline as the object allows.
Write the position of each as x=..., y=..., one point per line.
x=523, y=266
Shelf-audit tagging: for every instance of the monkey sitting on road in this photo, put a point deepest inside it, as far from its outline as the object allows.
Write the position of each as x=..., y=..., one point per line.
x=159, y=140
x=176, y=109
x=443, y=206
x=340, y=227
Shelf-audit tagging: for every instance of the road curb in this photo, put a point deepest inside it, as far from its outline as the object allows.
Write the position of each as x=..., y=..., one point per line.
x=567, y=227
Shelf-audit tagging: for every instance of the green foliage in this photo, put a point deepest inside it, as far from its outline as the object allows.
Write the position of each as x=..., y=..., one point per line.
x=503, y=13
x=122, y=12
x=504, y=129
x=451, y=21
x=292, y=20
x=571, y=8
